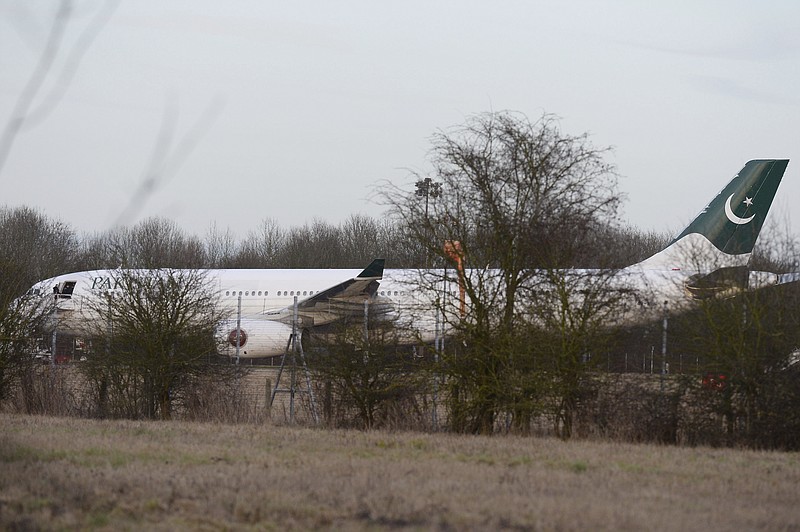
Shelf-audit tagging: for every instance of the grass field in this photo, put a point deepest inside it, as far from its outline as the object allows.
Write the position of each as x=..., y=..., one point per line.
x=74, y=473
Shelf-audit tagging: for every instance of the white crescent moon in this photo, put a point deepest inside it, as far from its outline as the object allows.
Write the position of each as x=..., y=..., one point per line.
x=732, y=217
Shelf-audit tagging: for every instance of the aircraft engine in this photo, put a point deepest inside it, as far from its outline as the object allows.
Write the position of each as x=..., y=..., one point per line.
x=257, y=338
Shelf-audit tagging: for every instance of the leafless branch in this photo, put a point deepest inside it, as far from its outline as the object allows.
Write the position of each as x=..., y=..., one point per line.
x=163, y=164
x=35, y=82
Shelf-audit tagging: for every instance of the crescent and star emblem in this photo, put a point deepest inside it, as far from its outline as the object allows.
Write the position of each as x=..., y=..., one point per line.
x=732, y=217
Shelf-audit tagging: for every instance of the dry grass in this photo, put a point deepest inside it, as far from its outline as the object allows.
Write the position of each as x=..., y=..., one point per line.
x=74, y=473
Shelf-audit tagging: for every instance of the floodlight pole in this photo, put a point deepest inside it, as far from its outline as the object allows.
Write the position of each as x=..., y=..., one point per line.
x=428, y=188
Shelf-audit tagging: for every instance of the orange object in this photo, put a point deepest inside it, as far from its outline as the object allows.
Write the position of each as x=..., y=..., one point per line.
x=453, y=249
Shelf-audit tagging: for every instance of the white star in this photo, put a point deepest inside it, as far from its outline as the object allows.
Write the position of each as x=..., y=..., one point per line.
x=748, y=201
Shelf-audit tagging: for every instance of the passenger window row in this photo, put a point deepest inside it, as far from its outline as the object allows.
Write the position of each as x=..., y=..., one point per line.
x=266, y=293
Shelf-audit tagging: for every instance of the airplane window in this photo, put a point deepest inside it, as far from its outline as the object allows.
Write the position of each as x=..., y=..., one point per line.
x=291, y=293
x=304, y=292
x=240, y=292
x=279, y=292
x=259, y=292
x=266, y=292
x=247, y=293
x=227, y=292
x=395, y=292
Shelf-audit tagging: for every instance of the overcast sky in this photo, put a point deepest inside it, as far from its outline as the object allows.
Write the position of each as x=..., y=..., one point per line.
x=294, y=110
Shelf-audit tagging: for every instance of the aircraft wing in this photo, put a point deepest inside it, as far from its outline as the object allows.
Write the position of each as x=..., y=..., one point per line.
x=354, y=290
x=340, y=301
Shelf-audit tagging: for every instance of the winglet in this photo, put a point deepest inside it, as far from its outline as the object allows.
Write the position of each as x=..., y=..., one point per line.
x=373, y=271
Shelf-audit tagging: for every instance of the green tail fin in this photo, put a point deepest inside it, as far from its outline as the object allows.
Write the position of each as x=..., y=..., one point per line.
x=735, y=216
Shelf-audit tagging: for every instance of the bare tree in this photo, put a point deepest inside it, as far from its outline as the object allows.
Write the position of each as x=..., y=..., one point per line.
x=315, y=245
x=20, y=320
x=747, y=346
x=519, y=198
x=220, y=247
x=571, y=313
x=32, y=247
x=370, y=381
x=160, y=334
x=152, y=243
x=262, y=247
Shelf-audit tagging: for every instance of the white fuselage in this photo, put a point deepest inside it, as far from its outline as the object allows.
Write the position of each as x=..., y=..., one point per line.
x=260, y=301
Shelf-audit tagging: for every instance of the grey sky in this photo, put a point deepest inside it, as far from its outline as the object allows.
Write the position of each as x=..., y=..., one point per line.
x=303, y=106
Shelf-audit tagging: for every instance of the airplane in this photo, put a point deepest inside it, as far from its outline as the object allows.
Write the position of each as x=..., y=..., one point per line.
x=707, y=258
